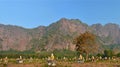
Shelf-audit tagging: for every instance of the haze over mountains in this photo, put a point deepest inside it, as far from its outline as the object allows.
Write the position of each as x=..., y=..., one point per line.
x=58, y=35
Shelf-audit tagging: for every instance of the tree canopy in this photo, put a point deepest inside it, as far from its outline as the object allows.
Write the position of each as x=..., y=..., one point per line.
x=86, y=43
x=108, y=53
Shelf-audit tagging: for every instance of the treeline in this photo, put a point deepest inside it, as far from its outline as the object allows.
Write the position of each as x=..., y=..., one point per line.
x=58, y=54
x=33, y=54
x=16, y=54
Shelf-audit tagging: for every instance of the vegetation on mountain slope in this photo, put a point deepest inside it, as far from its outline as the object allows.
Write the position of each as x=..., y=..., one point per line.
x=58, y=35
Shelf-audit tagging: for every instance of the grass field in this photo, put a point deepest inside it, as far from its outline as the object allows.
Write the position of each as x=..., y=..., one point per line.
x=43, y=63
x=64, y=64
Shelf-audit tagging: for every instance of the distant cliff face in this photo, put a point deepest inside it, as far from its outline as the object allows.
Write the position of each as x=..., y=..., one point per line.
x=109, y=33
x=58, y=35
x=17, y=38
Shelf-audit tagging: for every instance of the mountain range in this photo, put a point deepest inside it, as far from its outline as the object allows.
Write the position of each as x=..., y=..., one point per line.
x=58, y=35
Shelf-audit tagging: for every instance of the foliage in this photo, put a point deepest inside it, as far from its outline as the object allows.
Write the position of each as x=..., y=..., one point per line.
x=42, y=54
x=64, y=53
x=108, y=53
x=85, y=43
x=16, y=54
x=118, y=55
x=99, y=55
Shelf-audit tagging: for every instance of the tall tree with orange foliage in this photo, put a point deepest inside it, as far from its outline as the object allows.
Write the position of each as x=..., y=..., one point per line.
x=86, y=43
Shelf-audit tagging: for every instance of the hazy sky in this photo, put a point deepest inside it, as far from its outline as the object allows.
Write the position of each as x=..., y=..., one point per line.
x=33, y=13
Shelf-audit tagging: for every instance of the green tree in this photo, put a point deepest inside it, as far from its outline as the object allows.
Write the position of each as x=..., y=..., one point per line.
x=86, y=43
x=108, y=53
x=118, y=54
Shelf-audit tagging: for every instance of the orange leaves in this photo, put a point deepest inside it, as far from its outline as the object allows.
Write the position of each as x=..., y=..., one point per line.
x=85, y=42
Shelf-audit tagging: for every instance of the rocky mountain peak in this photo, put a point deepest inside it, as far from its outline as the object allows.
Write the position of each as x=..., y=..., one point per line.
x=57, y=35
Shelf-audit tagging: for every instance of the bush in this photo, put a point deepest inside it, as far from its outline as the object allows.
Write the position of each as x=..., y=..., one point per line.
x=108, y=53
x=118, y=55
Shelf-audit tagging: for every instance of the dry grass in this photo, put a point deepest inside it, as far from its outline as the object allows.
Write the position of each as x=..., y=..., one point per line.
x=65, y=64
x=43, y=63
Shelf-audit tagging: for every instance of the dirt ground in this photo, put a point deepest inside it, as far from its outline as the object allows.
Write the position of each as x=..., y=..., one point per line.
x=21, y=65
x=64, y=64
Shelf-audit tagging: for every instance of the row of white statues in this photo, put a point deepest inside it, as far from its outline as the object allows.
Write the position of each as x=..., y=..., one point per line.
x=51, y=59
